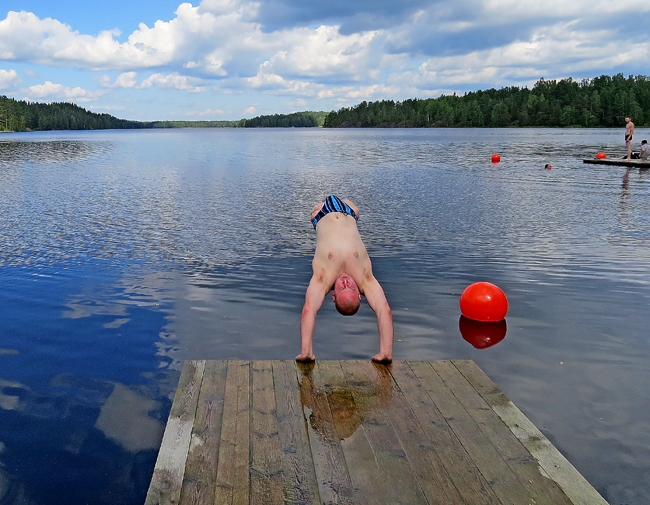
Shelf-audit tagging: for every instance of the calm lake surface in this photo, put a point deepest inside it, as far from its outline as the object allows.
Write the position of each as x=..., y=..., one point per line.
x=123, y=253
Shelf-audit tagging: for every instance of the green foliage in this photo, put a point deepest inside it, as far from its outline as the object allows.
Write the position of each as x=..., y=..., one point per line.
x=24, y=116
x=601, y=102
x=297, y=119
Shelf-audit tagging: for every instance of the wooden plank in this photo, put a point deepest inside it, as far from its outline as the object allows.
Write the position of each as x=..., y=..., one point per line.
x=543, y=490
x=373, y=397
x=368, y=486
x=556, y=466
x=428, y=469
x=167, y=480
x=298, y=475
x=502, y=480
x=201, y=466
x=233, y=465
x=334, y=484
x=266, y=461
x=460, y=467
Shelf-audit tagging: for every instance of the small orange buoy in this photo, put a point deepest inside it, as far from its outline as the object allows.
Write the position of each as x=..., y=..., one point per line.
x=601, y=156
x=496, y=158
x=483, y=301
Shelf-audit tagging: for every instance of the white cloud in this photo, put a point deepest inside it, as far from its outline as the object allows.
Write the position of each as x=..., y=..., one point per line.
x=173, y=81
x=207, y=112
x=107, y=107
x=50, y=90
x=251, y=110
x=8, y=79
x=558, y=48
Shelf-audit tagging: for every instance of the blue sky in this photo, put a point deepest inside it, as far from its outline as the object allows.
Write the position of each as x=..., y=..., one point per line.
x=228, y=59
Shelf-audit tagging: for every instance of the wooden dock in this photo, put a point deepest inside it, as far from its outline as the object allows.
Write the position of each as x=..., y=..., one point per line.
x=618, y=162
x=354, y=432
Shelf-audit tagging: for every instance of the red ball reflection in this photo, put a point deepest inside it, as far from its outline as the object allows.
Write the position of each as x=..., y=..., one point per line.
x=481, y=334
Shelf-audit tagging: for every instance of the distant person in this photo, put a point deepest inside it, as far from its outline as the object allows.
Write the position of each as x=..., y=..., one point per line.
x=547, y=166
x=645, y=150
x=629, y=132
x=341, y=263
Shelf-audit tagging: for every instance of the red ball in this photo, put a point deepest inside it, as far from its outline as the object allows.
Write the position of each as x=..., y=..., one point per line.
x=482, y=335
x=483, y=301
x=496, y=158
x=601, y=156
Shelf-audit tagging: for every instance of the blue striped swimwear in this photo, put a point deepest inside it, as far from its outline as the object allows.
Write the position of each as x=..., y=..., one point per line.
x=333, y=204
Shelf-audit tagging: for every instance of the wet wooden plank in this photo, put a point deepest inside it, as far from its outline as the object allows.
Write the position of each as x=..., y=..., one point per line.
x=368, y=486
x=502, y=480
x=462, y=470
x=167, y=480
x=556, y=466
x=266, y=461
x=334, y=484
x=542, y=490
x=201, y=466
x=373, y=398
x=233, y=465
x=298, y=475
x=355, y=432
x=428, y=468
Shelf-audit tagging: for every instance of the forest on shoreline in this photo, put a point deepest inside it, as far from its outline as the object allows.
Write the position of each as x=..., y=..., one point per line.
x=600, y=102
x=20, y=116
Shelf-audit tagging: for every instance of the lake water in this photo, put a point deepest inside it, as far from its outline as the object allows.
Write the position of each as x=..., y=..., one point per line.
x=123, y=253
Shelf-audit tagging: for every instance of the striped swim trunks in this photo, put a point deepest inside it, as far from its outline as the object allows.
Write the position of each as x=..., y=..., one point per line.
x=333, y=204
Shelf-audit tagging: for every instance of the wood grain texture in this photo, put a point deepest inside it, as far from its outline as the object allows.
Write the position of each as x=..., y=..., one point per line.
x=354, y=432
x=167, y=480
x=298, y=475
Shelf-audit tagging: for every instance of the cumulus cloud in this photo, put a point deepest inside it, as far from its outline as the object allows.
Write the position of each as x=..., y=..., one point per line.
x=338, y=50
x=250, y=111
x=207, y=112
x=8, y=79
x=52, y=91
x=172, y=81
x=558, y=49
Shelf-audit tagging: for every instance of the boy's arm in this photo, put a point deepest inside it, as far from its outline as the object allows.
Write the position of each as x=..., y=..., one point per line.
x=377, y=300
x=313, y=301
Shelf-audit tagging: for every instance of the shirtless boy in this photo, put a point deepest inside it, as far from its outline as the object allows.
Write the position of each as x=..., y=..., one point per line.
x=341, y=264
x=629, y=131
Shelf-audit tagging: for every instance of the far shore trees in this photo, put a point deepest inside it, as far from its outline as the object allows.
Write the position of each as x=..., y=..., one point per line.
x=601, y=102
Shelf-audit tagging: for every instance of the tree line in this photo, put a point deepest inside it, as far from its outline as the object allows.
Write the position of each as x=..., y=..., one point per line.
x=24, y=116
x=296, y=120
x=600, y=102
x=20, y=116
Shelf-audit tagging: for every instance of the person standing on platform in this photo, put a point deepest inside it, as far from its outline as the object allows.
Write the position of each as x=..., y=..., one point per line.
x=629, y=132
x=341, y=264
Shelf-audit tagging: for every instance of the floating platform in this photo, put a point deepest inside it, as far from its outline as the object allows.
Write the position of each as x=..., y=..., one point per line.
x=618, y=162
x=354, y=432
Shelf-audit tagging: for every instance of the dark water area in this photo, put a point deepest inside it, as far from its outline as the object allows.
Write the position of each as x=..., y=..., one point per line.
x=123, y=253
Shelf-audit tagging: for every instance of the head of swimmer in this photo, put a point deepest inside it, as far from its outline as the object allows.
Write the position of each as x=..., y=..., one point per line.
x=346, y=296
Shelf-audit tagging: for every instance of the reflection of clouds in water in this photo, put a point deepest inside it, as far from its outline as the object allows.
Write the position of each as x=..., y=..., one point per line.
x=11, y=395
x=124, y=419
